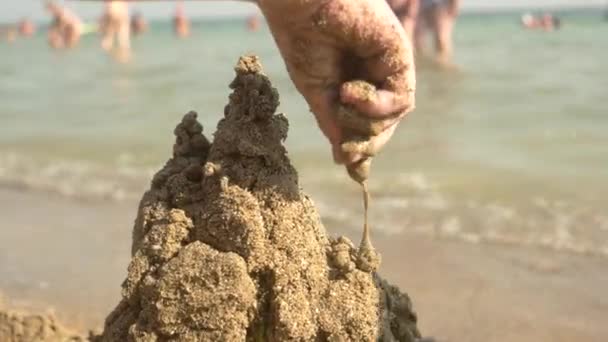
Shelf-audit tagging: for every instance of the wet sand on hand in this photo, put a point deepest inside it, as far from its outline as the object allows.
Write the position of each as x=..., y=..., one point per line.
x=71, y=255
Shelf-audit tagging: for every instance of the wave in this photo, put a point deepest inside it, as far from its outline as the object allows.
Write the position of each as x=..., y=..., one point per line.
x=420, y=207
x=75, y=178
x=405, y=203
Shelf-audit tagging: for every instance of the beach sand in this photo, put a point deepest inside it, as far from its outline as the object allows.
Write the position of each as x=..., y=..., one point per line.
x=71, y=255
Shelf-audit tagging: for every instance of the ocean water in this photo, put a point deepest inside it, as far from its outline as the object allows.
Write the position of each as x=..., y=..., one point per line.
x=511, y=148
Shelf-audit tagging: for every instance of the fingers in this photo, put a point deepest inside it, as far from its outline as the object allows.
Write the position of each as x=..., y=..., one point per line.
x=383, y=103
x=387, y=95
x=313, y=64
x=354, y=151
x=387, y=62
x=322, y=105
x=343, y=40
x=348, y=150
x=397, y=82
x=339, y=156
x=357, y=123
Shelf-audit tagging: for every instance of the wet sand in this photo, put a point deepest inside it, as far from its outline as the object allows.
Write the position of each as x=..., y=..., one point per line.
x=71, y=255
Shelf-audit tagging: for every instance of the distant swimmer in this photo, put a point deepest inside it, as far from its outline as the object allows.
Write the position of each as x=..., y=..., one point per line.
x=65, y=29
x=26, y=28
x=253, y=23
x=547, y=22
x=181, y=24
x=115, y=25
x=529, y=21
x=557, y=23
x=8, y=33
x=550, y=22
x=138, y=24
x=438, y=17
x=407, y=13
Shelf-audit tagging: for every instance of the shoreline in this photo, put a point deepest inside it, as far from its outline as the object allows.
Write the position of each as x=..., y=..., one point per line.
x=461, y=291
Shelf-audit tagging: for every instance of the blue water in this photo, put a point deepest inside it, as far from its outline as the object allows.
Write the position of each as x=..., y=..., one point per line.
x=512, y=147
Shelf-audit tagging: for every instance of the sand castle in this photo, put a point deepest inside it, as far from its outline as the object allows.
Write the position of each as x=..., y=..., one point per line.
x=226, y=247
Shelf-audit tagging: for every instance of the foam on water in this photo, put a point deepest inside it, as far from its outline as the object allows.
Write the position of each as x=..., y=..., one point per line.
x=81, y=179
x=419, y=207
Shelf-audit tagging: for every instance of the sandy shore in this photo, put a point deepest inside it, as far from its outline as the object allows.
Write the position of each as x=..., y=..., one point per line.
x=71, y=255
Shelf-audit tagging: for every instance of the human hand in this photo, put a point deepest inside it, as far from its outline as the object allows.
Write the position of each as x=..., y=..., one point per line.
x=328, y=43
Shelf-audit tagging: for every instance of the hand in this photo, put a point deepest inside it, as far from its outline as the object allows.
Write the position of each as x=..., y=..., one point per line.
x=326, y=43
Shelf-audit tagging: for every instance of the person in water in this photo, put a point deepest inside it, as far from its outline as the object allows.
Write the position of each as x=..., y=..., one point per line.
x=253, y=23
x=437, y=17
x=115, y=26
x=547, y=22
x=26, y=28
x=407, y=13
x=8, y=33
x=65, y=29
x=181, y=24
x=138, y=24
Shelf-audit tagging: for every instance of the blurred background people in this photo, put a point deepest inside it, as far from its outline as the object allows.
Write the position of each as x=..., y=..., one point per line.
x=115, y=27
x=253, y=23
x=437, y=18
x=547, y=22
x=65, y=28
x=8, y=33
x=529, y=21
x=181, y=24
x=139, y=24
x=26, y=27
x=407, y=13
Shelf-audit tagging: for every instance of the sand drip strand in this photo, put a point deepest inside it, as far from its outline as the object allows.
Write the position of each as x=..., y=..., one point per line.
x=366, y=240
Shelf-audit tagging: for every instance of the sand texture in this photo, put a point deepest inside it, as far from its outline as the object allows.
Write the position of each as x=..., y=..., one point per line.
x=227, y=248
x=17, y=326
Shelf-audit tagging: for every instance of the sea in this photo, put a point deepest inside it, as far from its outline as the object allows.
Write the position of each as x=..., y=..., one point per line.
x=511, y=147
